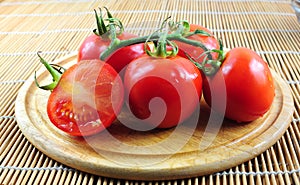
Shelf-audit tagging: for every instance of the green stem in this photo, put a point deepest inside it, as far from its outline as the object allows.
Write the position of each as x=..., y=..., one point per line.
x=161, y=49
x=194, y=43
x=173, y=36
x=208, y=71
x=113, y=35
x=113, y=47
x=162, y=46
x=55, y=73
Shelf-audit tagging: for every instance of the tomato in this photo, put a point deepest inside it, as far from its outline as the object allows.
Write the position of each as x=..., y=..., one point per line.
x=176, y=81
x=94, y=45
x=209, y=41
x=122, y=57
x=248, y=86
x=86, y=99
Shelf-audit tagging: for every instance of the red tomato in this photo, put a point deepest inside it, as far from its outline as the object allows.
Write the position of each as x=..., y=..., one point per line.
x=248, y=84
x=94, y=45
x=209, y=41
x=122, y=57
x=86, y=99
x=174, y=80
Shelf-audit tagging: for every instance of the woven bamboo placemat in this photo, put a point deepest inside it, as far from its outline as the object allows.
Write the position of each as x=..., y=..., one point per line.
x=57, y=28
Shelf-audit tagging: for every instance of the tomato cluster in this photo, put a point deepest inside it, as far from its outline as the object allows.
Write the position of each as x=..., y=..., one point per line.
x=161, y=81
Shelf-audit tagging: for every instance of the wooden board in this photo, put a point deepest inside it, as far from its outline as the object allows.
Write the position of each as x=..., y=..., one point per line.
x=185, y=151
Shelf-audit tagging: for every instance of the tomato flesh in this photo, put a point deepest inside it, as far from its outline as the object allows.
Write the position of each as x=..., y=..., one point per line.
x=249, y=86
x=176, y=81
x=87, y=98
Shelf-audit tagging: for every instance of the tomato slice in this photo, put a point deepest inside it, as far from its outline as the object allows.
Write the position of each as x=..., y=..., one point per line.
x=87, y=98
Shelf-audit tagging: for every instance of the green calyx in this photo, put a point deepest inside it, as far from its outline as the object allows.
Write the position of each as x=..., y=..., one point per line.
x=55, y=70
x=112, y=29
x=159, y=45
x=101, y=27
x=159, y=49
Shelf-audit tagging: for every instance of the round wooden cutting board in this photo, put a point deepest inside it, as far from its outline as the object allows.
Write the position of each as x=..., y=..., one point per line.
x=202, y=145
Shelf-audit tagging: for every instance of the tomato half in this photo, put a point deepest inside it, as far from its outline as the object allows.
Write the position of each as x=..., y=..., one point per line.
x=249, y=86
x=176, y=81
x=209, y=41
x=86, y=99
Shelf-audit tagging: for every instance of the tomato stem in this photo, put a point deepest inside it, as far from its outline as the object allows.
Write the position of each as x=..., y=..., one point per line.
x=180, y=32
x=209, y=66
x=181, y=27
x=55, y=73
x=113, y=32
x=155, y=36
x=208, y=71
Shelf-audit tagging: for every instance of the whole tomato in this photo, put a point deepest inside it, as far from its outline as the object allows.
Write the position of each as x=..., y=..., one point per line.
x=195, y=52
x=246, y=82
x=176, y=81
x=123, y=56
x=94, y=45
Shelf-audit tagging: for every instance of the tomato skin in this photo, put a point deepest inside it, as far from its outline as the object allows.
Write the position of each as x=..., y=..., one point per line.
x=209, y=41
x=175, y=80
x=92, y=47
x=249, y=86
x=86, y=99
x=122, y=57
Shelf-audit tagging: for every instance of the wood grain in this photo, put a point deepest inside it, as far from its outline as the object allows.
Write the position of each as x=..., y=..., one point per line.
x=188, y=150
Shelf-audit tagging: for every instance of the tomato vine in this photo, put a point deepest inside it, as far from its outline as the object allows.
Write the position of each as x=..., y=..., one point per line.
x=179, y=33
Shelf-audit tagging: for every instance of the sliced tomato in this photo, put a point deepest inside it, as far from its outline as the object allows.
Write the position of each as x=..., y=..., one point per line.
x=87, y=98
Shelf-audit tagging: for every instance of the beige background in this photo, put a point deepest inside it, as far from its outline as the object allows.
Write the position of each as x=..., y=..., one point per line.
x=58, y=27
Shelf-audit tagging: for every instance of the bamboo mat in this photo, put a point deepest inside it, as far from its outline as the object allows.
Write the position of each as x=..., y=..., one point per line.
x=57, y=27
